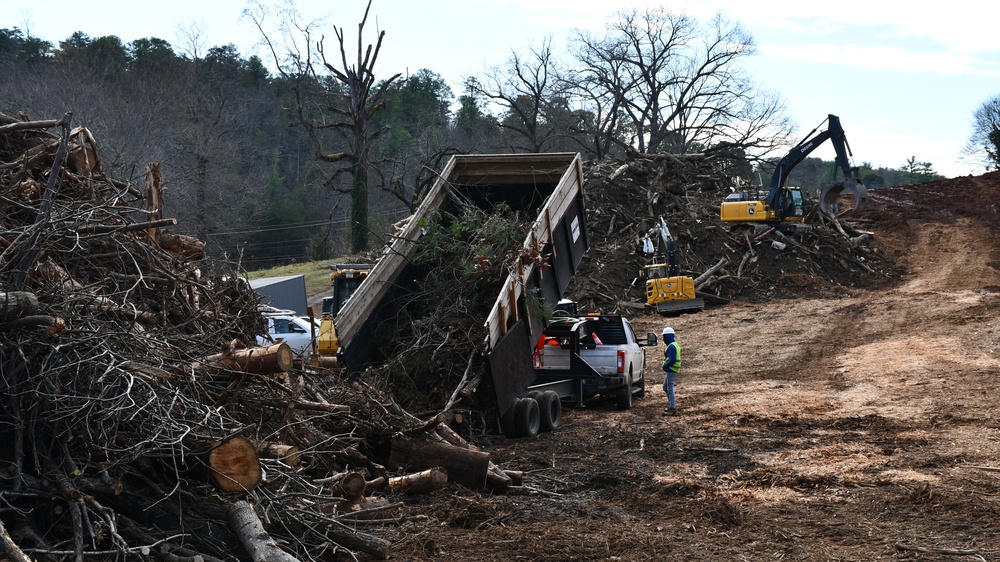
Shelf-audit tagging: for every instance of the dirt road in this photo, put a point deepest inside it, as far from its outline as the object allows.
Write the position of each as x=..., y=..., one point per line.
x=855, y=427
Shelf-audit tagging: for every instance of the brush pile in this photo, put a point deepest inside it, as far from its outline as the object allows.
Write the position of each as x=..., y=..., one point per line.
x=138, y=417
x=624, y=199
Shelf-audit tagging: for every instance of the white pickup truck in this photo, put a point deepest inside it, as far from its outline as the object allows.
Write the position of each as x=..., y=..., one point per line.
x=294, y=330
x=602, y=352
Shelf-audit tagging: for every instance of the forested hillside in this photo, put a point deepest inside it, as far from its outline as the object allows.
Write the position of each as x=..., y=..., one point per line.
x=259, y=157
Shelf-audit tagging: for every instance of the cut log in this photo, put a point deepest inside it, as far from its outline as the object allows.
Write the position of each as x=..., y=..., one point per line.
x=350, y=485
x=516, y=477
x=366, y=509
x=288, y=454
x=275, y=358
x=52, y=324
x=17, y=304
x=187, y=246
x=245, y=524
x=496, y=478
x=235, y=466
x=419, y=482
x=708, y=273
x=464, y=466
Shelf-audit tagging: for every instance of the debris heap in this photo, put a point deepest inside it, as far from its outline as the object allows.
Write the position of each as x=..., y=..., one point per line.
x=137, y=413
x=624, y=198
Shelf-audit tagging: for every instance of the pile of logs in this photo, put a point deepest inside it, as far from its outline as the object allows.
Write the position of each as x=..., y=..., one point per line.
x=138, y=417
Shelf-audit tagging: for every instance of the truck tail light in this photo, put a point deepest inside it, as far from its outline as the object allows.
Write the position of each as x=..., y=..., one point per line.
x=621, y=361
x=538, y=359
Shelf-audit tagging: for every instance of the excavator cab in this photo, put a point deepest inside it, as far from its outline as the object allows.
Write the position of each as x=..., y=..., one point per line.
x=744, y=207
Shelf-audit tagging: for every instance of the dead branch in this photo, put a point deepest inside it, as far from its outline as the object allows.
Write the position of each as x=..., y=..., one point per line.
x=259, y=545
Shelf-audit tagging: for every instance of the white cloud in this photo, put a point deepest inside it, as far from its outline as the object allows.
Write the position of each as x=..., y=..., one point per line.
x=885, y=58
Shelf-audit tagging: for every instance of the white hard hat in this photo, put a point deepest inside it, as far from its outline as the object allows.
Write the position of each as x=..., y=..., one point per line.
x=668, y=330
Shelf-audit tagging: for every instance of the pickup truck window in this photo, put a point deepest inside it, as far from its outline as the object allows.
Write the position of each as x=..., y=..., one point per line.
x=610, y=330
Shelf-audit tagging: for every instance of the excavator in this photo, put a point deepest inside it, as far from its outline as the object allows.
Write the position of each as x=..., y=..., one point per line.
x=666, y=290
x=784, y=206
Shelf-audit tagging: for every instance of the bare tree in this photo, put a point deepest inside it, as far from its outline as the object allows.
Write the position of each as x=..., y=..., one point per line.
x=343, y=106
x=983, y=147
x=524, y=88
x=679, y=87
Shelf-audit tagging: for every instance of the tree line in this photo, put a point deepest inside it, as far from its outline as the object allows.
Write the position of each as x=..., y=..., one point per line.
x=317, y=151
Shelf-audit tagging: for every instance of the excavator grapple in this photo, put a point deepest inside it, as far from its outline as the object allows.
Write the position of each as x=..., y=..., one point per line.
x=830, y=196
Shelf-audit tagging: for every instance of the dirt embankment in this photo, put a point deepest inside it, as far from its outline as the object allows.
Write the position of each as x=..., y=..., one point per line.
x=847, y=424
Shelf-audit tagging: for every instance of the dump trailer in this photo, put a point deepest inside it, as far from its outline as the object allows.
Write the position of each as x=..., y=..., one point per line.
x=283, y=293
x=546, y=186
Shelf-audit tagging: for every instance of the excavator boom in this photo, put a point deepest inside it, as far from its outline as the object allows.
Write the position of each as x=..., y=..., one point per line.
x=782, y=204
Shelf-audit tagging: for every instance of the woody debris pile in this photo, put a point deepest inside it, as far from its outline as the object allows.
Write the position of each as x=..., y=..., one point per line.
x=624, y=199
x=139, y=417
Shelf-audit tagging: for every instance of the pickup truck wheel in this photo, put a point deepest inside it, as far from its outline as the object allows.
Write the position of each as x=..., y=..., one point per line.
x=550, y=408
x=641, y=392
x=527, y=418
x=625, y=398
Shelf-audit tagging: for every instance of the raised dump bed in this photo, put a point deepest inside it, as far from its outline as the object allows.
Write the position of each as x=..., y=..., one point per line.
x=547, y=186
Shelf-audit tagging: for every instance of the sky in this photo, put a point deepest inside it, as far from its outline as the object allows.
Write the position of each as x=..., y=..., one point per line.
x=904, y=80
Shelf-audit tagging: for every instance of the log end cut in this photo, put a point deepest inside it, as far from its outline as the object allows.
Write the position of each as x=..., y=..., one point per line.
x=235, y=466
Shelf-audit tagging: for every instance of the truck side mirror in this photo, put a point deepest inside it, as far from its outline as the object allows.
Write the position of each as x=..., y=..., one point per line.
x=651, y=339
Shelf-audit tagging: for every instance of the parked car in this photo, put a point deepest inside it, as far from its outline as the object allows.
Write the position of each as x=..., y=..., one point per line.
x=294, y=330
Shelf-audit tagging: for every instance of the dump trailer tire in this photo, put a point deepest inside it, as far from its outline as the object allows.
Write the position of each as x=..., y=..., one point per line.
x=527, y=418
x=550, y=408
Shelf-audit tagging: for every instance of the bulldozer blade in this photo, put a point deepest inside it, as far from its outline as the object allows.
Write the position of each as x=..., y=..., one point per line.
x=830, y=196
x=680, y=305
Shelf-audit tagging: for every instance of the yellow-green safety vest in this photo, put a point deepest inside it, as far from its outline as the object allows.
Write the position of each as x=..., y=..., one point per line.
x=677, y=351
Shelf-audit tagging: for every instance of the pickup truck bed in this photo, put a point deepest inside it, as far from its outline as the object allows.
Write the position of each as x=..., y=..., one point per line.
x=601, y=352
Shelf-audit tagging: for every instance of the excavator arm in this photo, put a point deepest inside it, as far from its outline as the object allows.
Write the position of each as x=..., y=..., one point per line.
x=668, y=248
x=830, y=194
x=666, y=289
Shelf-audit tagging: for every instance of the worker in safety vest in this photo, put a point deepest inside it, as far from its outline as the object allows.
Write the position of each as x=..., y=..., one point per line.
x=671, y=367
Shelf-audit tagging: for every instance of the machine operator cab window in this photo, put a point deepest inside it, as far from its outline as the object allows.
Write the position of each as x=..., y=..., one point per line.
x=791, y=203
x=656, y=272
x=567, y=307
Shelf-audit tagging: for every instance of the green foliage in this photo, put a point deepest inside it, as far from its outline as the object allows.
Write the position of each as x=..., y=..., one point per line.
x=280, y=234
x=463, y=258
x=16, y=47
x=468, y=254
